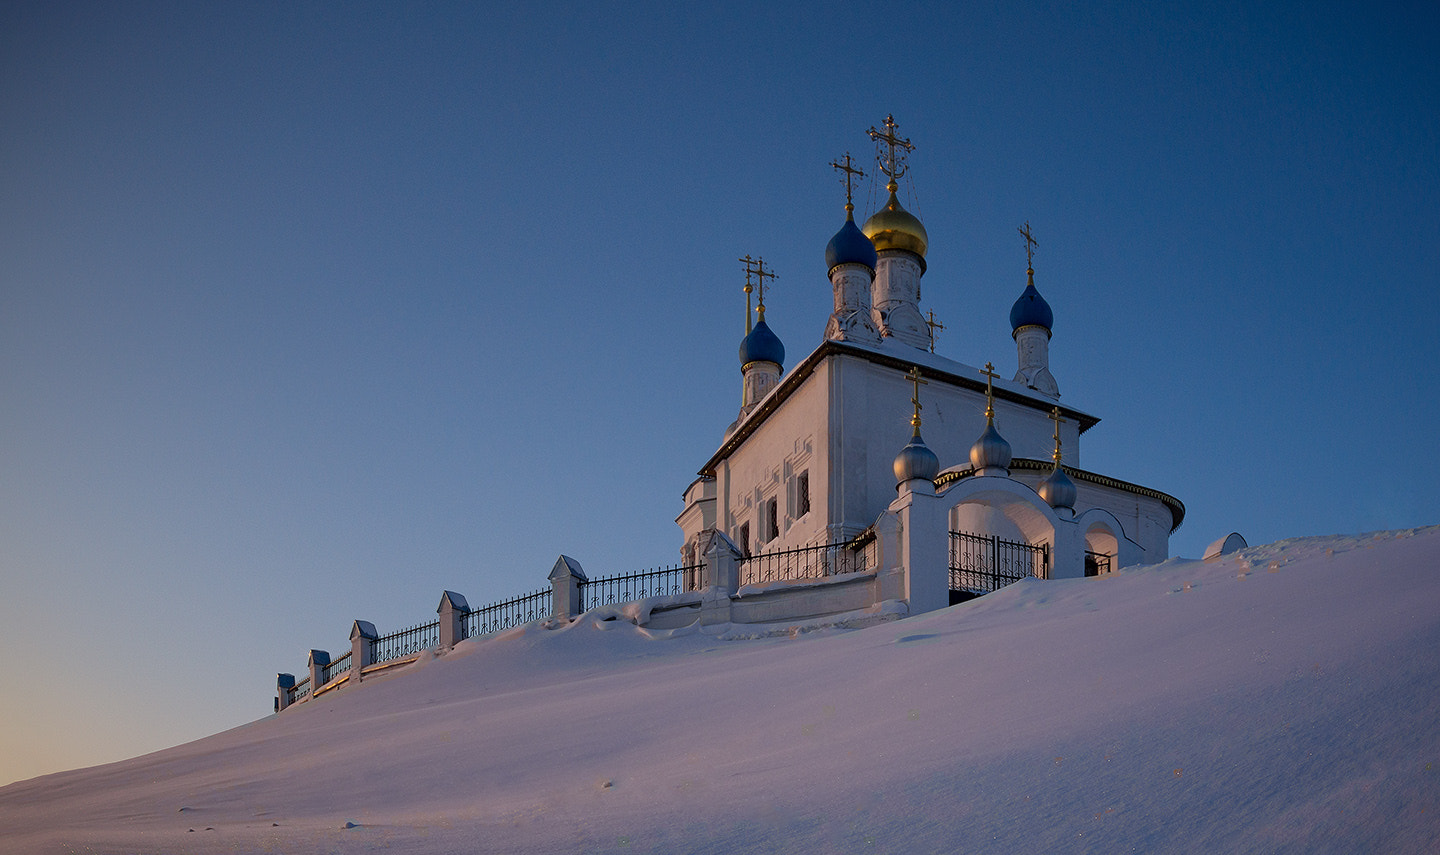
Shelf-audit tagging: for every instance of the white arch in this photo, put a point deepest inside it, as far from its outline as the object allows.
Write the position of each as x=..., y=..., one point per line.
x=1003, y=507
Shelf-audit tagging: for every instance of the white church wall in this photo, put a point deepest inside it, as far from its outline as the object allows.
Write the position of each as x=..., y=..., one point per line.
x=873, y=408
x=769, y=466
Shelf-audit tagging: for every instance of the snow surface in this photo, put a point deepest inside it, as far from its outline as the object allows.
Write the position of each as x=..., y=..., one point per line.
x=1283, y=699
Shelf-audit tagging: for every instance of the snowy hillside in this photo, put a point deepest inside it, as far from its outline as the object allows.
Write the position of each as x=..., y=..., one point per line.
x=1284, y=699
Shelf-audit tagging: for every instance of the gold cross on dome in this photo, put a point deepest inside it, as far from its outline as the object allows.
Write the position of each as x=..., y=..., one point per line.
x=933, y=325
x=891, y=163
x=1029, y=244
x=990, y=374
x=1055, y=417
x=749, y=269
x=760, y=274
x=851, y=173
x=914, y=377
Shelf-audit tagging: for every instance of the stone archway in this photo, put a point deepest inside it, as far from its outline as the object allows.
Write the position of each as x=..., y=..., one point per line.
x=1102, y=549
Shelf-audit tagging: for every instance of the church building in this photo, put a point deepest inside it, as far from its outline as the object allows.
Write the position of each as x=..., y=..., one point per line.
x=824, y=504
x=831, y=451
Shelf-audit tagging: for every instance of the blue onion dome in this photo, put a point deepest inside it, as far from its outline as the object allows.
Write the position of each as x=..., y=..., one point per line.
x=893, y=227
x=990, y=450
x=761, y=345
x=1057, y=489
x=850, y=246
x=1031, y=310
x=915, y=460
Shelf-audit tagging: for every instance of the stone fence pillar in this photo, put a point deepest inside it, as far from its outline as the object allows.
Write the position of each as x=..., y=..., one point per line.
x=565, y=579
x=890, y=558
x=924, y=545
x=318, y=660
x=284, y=683
x=452, y=611
x=362, y=647
x=722, y=577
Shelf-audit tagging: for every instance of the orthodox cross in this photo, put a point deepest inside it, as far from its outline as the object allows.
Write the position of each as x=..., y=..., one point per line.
x=748, y=262
x=990, y=375
x=755, y=267
x=891, y=163
x=933, y=325
x=1055, y=417
x=1029, y=245
x=914, y=377
x=851, y=173
x=760, y=274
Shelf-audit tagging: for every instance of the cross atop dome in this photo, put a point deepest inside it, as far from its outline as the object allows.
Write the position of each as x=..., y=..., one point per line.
x=1029, y=247
x=851, y=173
x=756, y=267
x=892, y=162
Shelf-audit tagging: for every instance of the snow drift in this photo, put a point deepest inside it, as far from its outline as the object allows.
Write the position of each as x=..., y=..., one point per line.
x=1285, y=698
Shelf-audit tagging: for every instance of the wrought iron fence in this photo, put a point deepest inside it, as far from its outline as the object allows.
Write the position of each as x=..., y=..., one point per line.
x=807, y=562
x=498, y=616
x=301, y=691
x=406, y=642
x=625, y=587
x=1096, y=563
x=980, y=563
x=334, y=670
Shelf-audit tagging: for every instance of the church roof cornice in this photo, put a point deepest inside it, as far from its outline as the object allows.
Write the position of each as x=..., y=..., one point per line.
x=1174, y=505
x=928, y=362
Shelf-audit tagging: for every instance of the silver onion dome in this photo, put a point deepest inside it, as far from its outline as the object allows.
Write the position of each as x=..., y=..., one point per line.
x=915, y=460
x=990, y=451
x=1057, y=489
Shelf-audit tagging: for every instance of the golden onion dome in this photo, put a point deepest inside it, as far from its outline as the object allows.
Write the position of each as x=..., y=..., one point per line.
x=893, y=227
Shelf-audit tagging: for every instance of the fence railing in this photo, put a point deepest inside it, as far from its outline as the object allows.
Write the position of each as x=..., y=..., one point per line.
x=507, y=614
x=980, y=564
x=335, y=669
x=1096, y=563
x=626, y=587
x=406, y=642
x=301, y=691
x=807, y=562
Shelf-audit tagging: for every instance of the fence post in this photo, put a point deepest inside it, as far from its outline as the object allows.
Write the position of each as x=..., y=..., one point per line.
x=565, y=580
x=924, y=545
x=283, y=684
x=722, y=570
x=318, y=660
x=362, y=647
x=889, y=562
x=452, y=611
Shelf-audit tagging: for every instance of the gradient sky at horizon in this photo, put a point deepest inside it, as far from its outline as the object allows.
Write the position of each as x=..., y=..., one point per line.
x=308, y=313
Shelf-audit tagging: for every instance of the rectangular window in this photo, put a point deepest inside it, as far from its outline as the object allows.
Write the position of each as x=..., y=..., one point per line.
x=802, y=494
x=745, y=539
x=772, y=520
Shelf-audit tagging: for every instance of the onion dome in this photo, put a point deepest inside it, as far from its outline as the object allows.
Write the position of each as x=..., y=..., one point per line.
x=850, y=246
x=915, y=460
x=761, y=345
x=990, y=451
x=893, y=227
x=1057, y=489
x=1031, y=309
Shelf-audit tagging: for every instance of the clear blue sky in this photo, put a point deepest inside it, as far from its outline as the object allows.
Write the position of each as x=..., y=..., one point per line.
x=307, y=314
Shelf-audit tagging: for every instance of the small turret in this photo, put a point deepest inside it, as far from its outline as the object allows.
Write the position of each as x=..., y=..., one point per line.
x=900, y=242
x=850, y=263
x=762, y=355
x=1030, y=323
